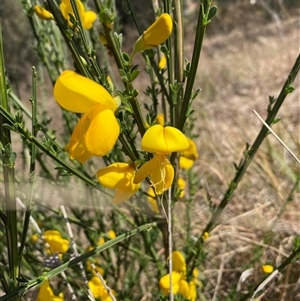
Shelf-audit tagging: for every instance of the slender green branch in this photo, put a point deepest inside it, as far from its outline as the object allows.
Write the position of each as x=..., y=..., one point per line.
x=249, y=155
x=33, y=151
x=200, y=32
x=8, y=158
x=27, y=135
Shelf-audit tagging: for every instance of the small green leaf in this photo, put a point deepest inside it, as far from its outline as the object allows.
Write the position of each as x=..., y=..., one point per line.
x=289, y=89
x=133, y=75
x=212, y=12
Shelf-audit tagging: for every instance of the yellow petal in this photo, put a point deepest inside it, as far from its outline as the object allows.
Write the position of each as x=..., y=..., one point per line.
x=146, y=169
x=191, y=152
x=152, y=200
x=181, y=186
x=76, y=147
x=160, y=118
x=156, y=34
x=160, y=140
x=165, y=285
x=184, y=288
x=101, y=131
x=89, y=18
x=185, y=163
x=66, y=9
x=80, y=94
x=267, y=268
x=162, y=62
x=119, y=176
x=56, y=242
x=42, y=13
x=178, y=262
x=162, y=177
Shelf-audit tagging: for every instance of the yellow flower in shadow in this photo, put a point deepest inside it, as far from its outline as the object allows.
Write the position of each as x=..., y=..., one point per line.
x=56, y=242
x=156, y=34
x=188, y=156
x=119, y=176
x=98, y=129
x=46, y=293
x=160, y=141
x=87, y=17
x=42, y=13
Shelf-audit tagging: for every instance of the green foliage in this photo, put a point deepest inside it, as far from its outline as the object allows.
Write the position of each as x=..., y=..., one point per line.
x=127, y=246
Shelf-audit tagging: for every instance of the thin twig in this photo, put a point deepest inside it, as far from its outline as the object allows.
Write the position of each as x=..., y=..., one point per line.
x=269, y=128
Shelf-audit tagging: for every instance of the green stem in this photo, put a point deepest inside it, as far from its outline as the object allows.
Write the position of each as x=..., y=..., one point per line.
x=286, y=89
x=8, y=159
x=179, y=52
x=200, y=32
x=26, y=135
x=33, y=100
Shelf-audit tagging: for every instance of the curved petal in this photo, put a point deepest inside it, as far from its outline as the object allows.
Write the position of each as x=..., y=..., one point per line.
x=88, y=20
x=42, y=13
x=66, y=9
x=76, y=147
x=191, y=152
x=185, y=163
x=101, y=131
x=160, y=140
x=80, y=94
x=164, y=282
x=118, y=176
x=162, y=177
x=156, y=34
x=179, y=264
x=146, y=169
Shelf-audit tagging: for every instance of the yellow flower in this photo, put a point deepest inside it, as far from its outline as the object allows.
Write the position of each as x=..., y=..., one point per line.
x=119, y=176
x=98, y=289
x=160, y=119
x=34, y=238
x=179, y=284
x=165, y=285
x=42, y=13
x=87, y=17
x=46, y=293
x=161, y=141
x=152, y=200
x=156, y=34
x=56, y=242
x=162, y=62
x=188, y=156
x=111, y=234
x=97, y=131
x=205, y=236
x=178, y=262
x=181, y=186
x=267, y=269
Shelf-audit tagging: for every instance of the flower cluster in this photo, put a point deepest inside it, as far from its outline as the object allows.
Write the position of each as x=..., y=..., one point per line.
x=87, y=18
x=179, y=283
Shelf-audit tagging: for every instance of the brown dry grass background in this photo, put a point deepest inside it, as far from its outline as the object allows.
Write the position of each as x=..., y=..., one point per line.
x=246, y=57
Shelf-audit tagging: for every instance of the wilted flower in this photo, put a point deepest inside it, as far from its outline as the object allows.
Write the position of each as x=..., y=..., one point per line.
x=156, y=34
x=98, y=129
x=42, y=13
x=119, y=176
x=87, y=17
x=160, y=141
